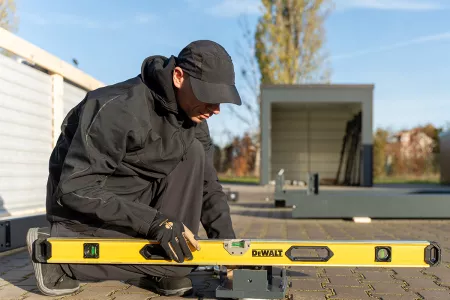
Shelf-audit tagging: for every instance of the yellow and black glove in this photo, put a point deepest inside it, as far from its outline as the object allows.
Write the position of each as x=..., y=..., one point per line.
x=174, y=237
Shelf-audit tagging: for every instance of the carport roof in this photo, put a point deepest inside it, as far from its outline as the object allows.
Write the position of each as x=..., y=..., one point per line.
x=317, y=85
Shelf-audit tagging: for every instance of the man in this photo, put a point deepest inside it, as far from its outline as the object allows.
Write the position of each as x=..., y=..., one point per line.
x=134, y=159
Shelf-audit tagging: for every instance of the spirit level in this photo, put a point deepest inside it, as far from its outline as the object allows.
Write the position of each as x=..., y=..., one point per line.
x=255, y=258
x=243, y=252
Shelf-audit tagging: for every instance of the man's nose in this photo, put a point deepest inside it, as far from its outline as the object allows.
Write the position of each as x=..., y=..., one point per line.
x=215, y=108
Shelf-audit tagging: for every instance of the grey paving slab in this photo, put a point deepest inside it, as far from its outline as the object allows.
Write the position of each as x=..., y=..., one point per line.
x=254, y=217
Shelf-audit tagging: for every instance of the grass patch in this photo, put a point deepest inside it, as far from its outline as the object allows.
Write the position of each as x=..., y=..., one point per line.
x=424, y=179
x=407, y=179
x=235, y=179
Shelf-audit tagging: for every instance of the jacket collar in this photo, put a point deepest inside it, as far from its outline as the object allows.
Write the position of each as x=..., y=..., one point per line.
x=156, y=73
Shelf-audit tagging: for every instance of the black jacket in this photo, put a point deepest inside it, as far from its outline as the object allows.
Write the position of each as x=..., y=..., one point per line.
x=116, y=143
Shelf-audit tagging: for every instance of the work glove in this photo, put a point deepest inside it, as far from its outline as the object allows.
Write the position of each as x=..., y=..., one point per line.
x=173, y=237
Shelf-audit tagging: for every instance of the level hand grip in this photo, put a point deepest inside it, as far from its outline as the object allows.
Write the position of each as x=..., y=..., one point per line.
x=433, y=254
x=154, y=252
x=42, y=251
x=324, y=253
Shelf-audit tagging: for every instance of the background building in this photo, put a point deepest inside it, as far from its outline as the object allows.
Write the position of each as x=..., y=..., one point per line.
x=325, y=129
x=445, y=157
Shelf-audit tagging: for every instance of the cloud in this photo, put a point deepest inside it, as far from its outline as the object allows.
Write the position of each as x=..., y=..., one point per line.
x=419, y=40
x=145, y=18
x=399, y=5
x=234, y=8
x=226, y=8
x=66, y=19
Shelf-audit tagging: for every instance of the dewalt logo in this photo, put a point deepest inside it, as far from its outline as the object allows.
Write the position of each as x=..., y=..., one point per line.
x=267, y=253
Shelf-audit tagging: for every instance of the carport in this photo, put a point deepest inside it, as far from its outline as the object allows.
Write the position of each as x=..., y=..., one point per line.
x=444, y=157
x=317, y=128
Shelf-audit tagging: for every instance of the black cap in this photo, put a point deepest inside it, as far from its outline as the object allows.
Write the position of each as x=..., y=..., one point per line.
x=211, y=72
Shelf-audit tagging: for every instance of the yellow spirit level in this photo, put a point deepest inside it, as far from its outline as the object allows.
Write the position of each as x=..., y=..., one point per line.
x=253, y=256
x=242, y=252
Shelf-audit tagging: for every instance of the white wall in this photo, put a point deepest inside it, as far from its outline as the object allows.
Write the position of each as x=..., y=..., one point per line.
x=444, y=157
x=30, y=102
x=33, y=103
x=25, y=136
x=71, y=97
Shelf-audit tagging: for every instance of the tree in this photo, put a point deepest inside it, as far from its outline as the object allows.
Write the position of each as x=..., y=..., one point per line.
x=289, y=39
x=249, y=90
x=285, y=48
x=379, y=152
x=8, y=18
x=433, y=132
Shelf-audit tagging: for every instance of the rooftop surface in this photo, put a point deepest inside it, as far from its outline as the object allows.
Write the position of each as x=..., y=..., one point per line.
x=254, y=217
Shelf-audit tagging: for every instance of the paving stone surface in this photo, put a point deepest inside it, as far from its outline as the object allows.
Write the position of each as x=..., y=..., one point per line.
x=255, y=217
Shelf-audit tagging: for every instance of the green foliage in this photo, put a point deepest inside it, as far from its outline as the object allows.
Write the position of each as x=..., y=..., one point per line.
x=408, y=158
x=379, y=152
x=289, y=39
x=8, y=20
x=433, y=132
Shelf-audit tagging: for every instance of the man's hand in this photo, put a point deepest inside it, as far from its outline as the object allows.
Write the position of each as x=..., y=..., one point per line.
x=173, y=237
x=230, y=271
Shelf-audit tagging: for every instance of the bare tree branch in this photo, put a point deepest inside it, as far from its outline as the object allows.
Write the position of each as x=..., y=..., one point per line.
x=237, y=114
x=8, y=18
x=249, y=72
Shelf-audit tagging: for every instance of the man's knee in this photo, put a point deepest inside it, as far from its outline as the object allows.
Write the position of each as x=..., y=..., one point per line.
x=124, y=272
x=196, y=153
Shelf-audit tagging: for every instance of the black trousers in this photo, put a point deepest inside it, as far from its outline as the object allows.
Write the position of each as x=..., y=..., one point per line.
x=179, y=197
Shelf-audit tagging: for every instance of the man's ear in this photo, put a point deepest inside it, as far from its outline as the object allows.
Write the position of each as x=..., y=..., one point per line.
x=178, y=77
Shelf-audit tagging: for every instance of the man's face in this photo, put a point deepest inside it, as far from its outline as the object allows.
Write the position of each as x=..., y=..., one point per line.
x=196, y=110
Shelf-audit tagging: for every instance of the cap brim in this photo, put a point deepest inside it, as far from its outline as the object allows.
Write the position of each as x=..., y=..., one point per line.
x=215, y=93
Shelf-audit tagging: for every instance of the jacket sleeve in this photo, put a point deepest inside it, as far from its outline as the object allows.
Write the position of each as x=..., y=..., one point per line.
x=97, y=148
x=216, y=218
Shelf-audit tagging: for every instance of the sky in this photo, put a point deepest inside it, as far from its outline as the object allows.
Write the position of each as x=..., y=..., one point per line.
x=400, y=46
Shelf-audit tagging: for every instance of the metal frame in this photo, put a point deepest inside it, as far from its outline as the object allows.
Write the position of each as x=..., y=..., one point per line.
x=253, y=283
x=283, y=198
x=13, y=230
x=444, y=157
x=373, y=203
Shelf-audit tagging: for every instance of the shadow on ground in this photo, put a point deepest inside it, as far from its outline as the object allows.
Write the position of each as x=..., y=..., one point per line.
x=17, y=281
x=431, y=192
x=17, y=275
x=253, y=204
x=265, y=214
